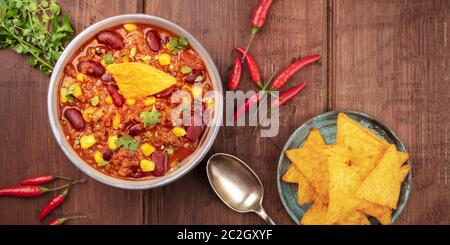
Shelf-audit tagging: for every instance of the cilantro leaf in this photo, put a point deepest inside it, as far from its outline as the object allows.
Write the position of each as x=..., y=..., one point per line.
x=34, y=28
x=127, y=143
x=150, y=117
x=177, y=44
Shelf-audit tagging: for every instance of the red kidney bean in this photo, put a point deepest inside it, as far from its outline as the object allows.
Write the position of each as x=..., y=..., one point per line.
x=190, y=78
x=153, y=41
x=117, y=98
x=193, y=132
x=160, y=160
x=75, y=118
x=91, y=68
x=135, y=129
x=165, y=92
x=111, y=38
x=108, y=79
x=136, y=172
x=107, y=154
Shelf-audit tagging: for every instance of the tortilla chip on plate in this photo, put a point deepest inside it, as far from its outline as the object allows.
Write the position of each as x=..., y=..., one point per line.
x=381, y=213
x=354, y=218
x=137, y=80
x=312, y=163
x=404, y=171
x=305, y=192
x=382, y=185
x=343, y=183
x=316, y=214
x=366, y=148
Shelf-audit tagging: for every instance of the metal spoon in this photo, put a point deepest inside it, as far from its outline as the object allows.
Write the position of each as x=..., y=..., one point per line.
x=236, y=184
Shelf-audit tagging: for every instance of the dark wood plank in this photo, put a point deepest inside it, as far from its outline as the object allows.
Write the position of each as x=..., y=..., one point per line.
x=391, y=59
x=29, y=149
x=294, y=28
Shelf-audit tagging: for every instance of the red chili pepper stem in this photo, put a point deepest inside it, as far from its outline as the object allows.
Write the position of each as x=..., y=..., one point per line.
x=252, y=36
x=62, y=220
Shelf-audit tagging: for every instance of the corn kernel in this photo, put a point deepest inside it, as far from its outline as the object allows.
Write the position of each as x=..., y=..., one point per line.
x=149, y=101
x=147, y=165
x=169, y=47
x=197, y=92
x=87, y=114
x=130, y=101
x=98, y=157
x=130, y=27
x=87, y=141
x=164, y=59
x=77, y=91
x=147, y=149
x=62, y=95
x=133, y=52
x=80, y=77
x=179, y=131
x=108, y=100
x=112, y=142
x=116, y=121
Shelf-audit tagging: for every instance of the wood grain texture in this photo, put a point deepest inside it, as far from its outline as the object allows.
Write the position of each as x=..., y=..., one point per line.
x=294, y=28
x=391, y=59
x=29, y=148
x=388, y=58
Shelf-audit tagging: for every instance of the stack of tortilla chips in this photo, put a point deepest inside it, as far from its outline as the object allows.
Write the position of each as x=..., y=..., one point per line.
x=359, y=176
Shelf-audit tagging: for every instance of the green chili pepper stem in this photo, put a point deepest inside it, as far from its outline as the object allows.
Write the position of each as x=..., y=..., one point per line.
x=64, y=219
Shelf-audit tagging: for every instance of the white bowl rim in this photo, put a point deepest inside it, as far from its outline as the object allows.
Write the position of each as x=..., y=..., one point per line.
x=53, y=117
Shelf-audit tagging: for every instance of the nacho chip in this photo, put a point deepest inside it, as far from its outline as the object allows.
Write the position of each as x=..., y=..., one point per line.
x=305, y=192
x=354, y=218
x=344, y=181
x=404, y=171
x=314, y=139
x=382, y=185
x=381, y=213
x=291, y=175
x=316, y=214
x=137, y=80
x=312, y=163
x=366, y=148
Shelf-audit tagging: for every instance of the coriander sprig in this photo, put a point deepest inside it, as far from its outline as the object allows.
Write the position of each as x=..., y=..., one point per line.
x=35, y=28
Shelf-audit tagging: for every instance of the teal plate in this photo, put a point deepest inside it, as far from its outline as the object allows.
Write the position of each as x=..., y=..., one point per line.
x=326, y=123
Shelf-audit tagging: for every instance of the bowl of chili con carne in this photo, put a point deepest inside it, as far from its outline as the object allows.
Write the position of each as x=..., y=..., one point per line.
x=111, y=101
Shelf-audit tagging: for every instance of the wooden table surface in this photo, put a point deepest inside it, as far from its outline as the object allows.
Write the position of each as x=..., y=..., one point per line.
x=389, y=59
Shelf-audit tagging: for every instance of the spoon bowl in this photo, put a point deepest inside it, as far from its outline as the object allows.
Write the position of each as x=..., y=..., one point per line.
x=236, y=184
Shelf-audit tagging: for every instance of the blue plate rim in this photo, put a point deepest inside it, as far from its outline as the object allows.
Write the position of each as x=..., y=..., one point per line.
x=370, y=117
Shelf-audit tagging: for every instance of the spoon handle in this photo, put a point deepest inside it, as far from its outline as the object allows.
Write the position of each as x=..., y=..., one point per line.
x=262, y=213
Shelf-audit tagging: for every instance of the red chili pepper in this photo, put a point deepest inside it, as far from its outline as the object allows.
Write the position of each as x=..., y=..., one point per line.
x=235, y=77
x=23, y=191
x=284, y=76
x=249, y=103
x=253, y=68
x=31, y=190
x=62, y=220
x=42, y=180
x=54, y=203
x=258, y=19
x=289, y=94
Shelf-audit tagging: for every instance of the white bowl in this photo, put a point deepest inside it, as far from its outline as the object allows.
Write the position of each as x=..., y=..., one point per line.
x=146, y=183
